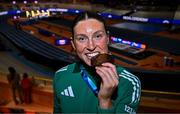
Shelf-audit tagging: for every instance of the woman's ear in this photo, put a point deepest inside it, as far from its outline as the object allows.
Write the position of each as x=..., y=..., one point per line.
x=72, y=43
x=108, y=37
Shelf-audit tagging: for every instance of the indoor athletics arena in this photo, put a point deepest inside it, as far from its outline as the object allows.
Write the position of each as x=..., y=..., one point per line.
x=144, y=38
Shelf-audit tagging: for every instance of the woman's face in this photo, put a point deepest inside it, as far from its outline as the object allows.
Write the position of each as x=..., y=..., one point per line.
x=90, y=39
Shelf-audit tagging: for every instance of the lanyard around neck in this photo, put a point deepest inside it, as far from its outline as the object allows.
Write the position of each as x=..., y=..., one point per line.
x=88, y=81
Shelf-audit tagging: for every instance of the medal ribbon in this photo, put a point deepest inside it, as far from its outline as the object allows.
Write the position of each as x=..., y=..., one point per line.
x=88, y=81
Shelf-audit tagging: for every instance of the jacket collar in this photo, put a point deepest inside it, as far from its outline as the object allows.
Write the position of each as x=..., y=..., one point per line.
x=77, y=67
x=84, y=65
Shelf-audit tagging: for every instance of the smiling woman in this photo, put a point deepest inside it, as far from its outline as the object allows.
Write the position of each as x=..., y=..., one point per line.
x=90, y=39
x=82, y=88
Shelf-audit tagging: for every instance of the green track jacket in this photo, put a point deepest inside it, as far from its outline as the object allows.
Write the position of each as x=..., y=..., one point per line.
x=72, y=94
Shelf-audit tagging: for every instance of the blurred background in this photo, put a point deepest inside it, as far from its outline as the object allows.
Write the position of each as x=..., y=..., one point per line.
x=144, y=38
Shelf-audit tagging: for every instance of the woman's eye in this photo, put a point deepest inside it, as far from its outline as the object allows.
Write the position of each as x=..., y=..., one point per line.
x=81, y=39
x=99, y=36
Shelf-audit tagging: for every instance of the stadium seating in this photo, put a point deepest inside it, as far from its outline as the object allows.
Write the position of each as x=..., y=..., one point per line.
x=29, y=42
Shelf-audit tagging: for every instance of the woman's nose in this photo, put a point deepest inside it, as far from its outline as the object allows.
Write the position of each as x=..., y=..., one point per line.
x=91, y=45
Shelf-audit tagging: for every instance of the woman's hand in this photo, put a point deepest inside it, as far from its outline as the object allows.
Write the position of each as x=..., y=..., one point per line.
x=110, y=80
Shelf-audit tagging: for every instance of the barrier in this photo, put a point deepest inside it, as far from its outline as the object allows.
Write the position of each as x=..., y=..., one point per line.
x=42, y=92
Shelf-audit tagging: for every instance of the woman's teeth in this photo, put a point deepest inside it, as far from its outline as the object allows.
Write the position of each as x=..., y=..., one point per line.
x=90, y=55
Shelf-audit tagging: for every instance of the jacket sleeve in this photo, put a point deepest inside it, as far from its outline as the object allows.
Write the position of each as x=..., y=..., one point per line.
x=129, y=104
x=56, y=107
x=128, y=98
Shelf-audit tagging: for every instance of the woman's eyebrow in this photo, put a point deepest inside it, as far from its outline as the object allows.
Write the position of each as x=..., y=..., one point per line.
x=77, y=35
x=99, y=31
x=84, y=35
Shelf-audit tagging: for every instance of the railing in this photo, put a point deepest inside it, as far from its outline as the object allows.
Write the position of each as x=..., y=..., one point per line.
x=37, y=80
x=42, y=93
x=43, y=81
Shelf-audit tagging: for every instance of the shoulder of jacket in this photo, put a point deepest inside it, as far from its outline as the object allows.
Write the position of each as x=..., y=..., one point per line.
x=62, y=69
x=128, y=76
x=68, y=68
x=63, y=72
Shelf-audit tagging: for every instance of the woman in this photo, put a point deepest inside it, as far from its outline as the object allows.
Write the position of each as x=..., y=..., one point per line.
x=81, y=88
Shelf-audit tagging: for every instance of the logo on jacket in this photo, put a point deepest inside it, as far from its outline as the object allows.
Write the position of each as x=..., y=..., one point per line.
x=68, y=92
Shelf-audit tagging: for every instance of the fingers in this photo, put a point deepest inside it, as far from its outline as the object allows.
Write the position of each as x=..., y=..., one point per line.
x=106, y=78
x=108, y=74
x=110, y=80
x=112, y=67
